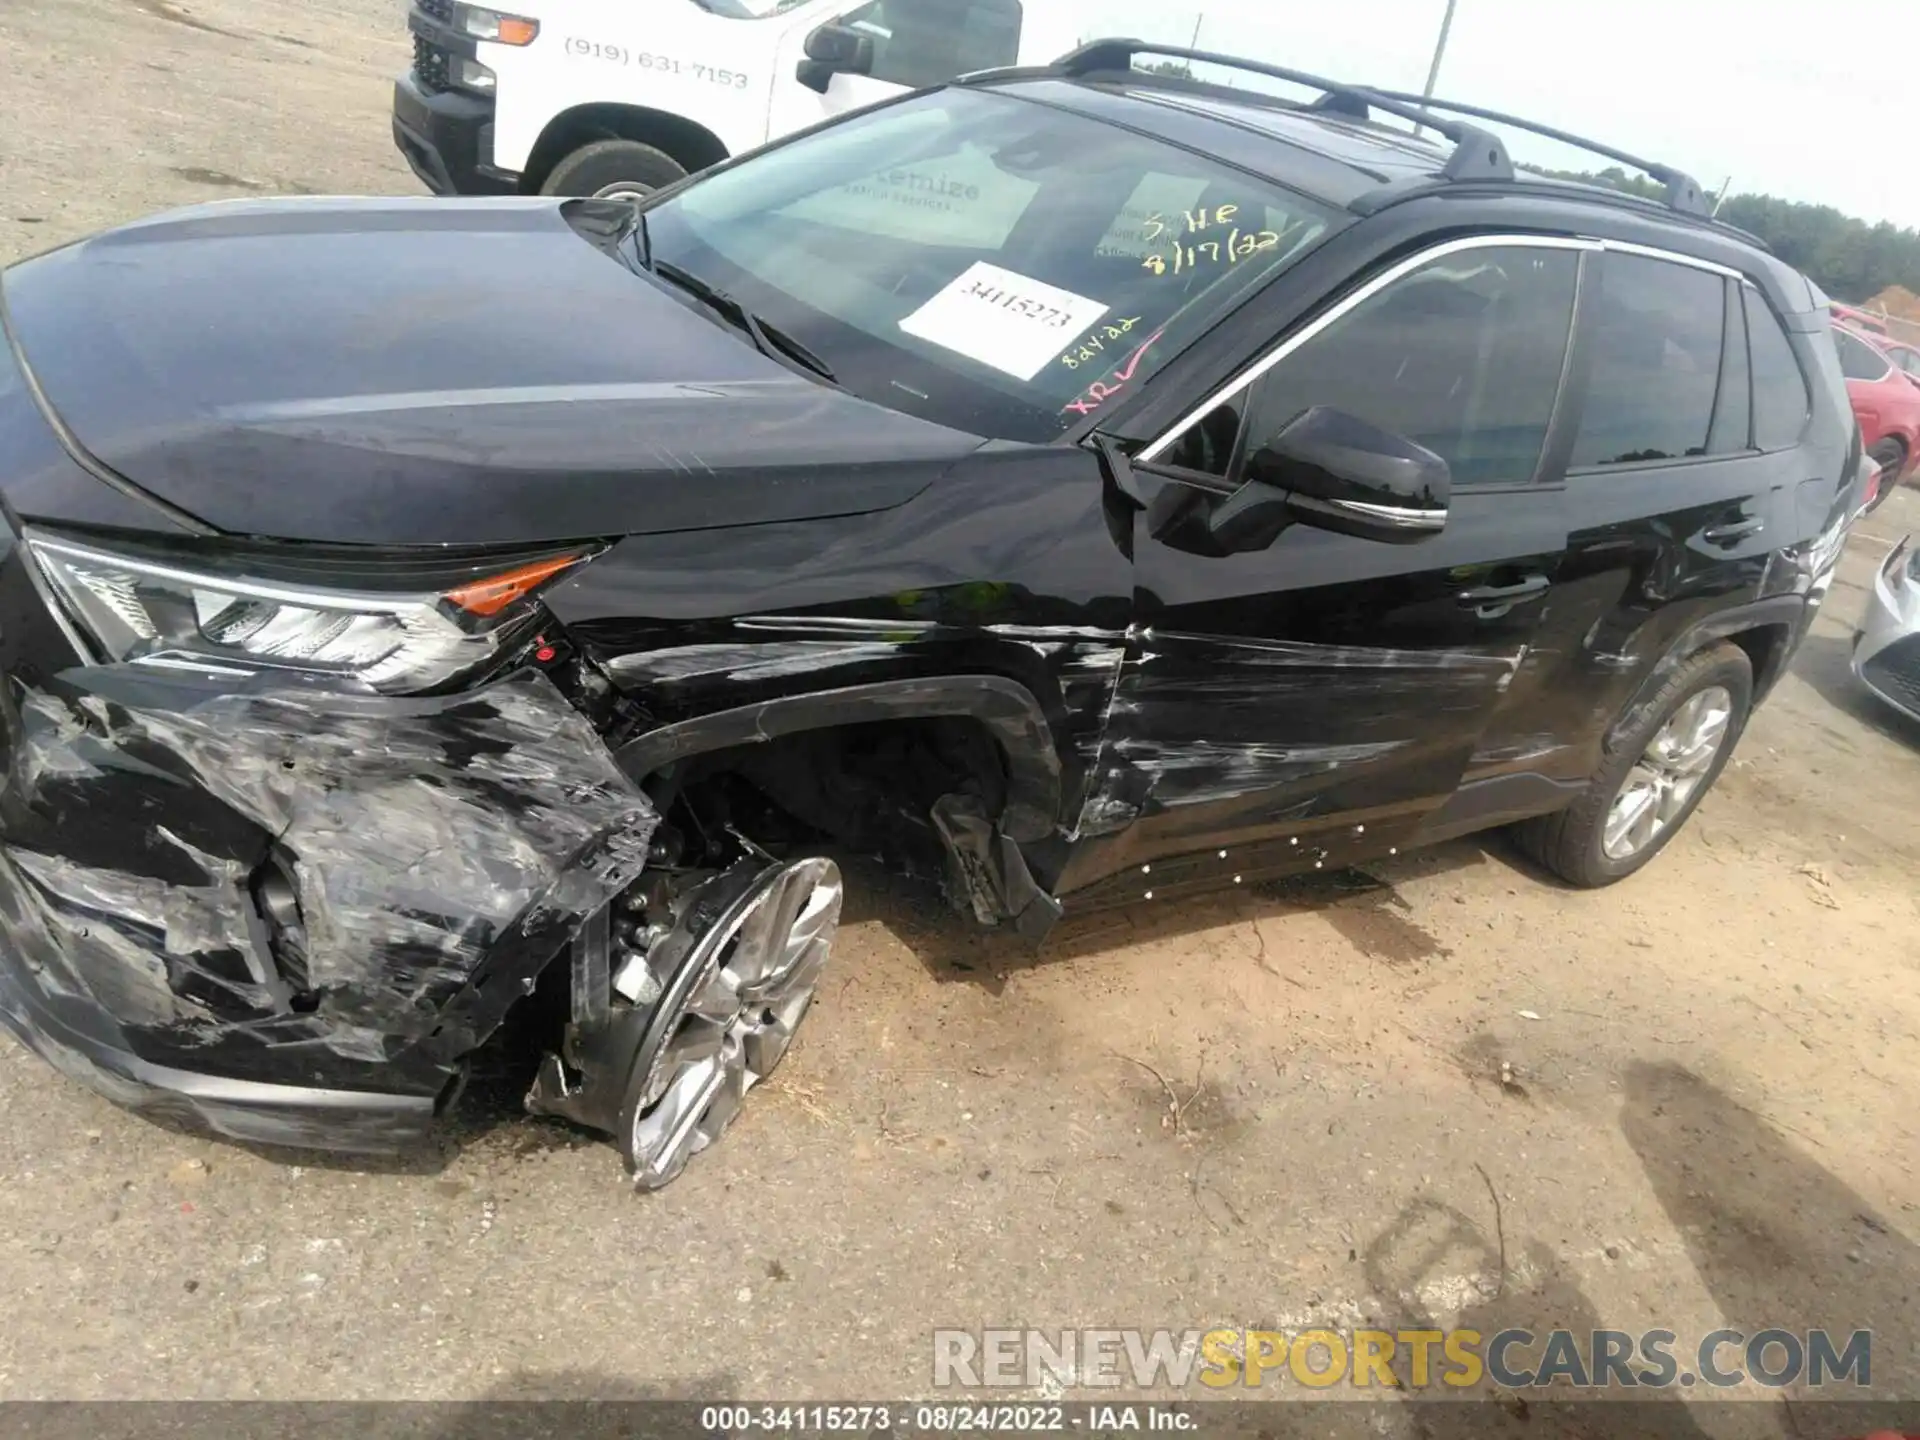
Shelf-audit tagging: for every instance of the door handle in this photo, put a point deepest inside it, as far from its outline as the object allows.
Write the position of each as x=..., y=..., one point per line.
x=1490, y=602
x=1728, y=535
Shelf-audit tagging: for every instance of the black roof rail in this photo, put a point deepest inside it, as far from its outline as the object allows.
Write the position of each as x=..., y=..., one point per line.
x=1683, y=191
x=1477, y=154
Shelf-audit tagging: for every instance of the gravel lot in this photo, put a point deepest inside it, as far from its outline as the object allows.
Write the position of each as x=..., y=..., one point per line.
x=1712, y=1120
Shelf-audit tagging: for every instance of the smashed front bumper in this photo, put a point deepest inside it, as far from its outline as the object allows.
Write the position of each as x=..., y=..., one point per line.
x=290, y=916
x=1886, y=649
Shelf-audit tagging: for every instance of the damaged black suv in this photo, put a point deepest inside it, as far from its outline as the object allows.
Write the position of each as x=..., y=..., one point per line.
x=1091, y=484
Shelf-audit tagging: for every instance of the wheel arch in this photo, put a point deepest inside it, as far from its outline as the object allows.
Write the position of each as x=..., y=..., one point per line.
x=1008, y=711
x=692, y=145
x=1764, y=630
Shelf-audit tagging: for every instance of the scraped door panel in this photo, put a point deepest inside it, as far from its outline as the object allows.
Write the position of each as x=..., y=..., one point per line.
x=1352, y=693
x=1327, y=693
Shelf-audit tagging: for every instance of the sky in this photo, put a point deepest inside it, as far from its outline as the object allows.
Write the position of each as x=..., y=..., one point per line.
x=1792, y=99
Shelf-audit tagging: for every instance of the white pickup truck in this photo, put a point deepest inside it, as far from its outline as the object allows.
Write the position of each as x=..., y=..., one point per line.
x=620, y=97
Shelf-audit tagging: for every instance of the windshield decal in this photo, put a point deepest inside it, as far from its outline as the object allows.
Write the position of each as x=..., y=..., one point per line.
x=1098, y=393
x=1226, y=243
x=1004, y=319
x=1095, y=344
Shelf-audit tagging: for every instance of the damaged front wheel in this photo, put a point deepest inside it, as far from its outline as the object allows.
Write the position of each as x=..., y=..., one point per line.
x=727, y=1013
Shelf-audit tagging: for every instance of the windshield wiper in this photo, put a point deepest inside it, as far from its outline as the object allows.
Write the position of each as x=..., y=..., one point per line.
x=769, y=340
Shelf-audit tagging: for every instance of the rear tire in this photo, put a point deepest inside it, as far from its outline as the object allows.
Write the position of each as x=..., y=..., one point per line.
x=613, y=168
x=1890, y=454
x=1585, y=843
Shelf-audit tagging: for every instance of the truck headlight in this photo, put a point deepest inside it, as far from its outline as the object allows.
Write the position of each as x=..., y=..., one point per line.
x=502, y=29
x=122, y=608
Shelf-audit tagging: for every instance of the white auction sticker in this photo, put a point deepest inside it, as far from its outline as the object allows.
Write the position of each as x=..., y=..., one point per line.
x=1000, y=318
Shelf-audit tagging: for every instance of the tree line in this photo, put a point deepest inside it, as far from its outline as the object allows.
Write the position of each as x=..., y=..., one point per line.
x=1846, y=257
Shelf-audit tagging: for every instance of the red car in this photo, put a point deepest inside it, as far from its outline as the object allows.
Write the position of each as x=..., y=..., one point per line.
x=1907, y=357
x=1886, y=402
x=1859, y=319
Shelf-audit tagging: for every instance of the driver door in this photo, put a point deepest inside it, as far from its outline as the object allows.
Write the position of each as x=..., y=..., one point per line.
x=916, y=43
x=1326, y=693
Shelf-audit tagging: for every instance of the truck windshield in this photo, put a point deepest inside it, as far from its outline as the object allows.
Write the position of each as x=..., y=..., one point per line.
x=992, y=264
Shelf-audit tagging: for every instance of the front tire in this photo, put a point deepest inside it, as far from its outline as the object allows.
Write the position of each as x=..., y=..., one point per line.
x=613, y=169
x=1656, y=772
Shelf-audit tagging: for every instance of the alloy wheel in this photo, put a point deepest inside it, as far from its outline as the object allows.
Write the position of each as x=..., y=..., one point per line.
x=742, y=992
x=1669, y=773
x=629, y=190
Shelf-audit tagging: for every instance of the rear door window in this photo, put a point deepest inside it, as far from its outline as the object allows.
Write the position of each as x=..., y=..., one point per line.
x=1859, y=360
x=1656, y=363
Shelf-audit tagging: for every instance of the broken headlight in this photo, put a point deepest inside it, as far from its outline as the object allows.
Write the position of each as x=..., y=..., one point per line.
x=147, y=610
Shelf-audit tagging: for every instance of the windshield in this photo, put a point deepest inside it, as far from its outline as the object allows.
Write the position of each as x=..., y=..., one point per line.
x=983, y=261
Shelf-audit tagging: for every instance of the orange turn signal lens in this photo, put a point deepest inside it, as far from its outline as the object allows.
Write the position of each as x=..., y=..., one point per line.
x=490, y=596
x=517, y=31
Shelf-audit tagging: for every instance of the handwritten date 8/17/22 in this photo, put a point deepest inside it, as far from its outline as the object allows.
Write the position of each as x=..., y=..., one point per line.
x=1205, y=236
x=660, y=64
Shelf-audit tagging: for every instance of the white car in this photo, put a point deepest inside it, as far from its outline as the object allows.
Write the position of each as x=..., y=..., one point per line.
x=1886, y=650
x=610, y=97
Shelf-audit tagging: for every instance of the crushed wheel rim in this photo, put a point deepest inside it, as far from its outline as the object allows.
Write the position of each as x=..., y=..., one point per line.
x=753, y=975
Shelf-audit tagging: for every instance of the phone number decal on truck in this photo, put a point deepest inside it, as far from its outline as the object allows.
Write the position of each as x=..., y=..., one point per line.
x=666, y=64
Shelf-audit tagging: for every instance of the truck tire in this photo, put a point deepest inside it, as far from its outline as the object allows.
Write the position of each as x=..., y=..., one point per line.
x=1587, y=844
x=613, y=168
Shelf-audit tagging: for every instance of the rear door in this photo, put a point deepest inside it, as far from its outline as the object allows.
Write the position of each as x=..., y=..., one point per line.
x=1679, y=486
x=1327, y=693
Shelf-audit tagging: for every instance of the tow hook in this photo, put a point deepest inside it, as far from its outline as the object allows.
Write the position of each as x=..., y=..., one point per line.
x=683, y=1000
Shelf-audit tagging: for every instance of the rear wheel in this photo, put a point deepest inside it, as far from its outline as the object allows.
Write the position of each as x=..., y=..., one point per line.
x=1659, y=768
x=1891, y=456
x=613, y=170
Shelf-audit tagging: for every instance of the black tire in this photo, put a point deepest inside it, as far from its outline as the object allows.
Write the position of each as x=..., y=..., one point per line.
x=1569, y=842
x=612, y=165
x=1890, y=454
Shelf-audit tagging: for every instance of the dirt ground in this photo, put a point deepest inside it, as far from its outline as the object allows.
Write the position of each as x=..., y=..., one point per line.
x=1267, y=1110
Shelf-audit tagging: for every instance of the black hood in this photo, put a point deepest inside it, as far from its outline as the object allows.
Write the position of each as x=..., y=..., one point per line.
x=434, y=372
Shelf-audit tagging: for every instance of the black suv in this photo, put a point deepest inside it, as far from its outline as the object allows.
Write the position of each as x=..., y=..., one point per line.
x=1084, y=484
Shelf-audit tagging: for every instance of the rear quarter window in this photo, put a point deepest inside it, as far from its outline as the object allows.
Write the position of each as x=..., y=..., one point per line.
x=1780, y=400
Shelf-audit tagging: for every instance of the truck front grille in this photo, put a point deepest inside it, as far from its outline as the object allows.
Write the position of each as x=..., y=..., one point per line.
x=1895, y=672
x=430, y=64
x=441, y=10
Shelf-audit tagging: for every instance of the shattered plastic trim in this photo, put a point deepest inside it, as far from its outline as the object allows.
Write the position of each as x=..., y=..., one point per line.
x=434, y=848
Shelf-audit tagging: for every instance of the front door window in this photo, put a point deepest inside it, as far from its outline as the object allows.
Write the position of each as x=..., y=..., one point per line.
x=919, y=43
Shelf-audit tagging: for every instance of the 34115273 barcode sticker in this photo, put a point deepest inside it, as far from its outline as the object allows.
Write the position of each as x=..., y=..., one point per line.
x=1009, y=321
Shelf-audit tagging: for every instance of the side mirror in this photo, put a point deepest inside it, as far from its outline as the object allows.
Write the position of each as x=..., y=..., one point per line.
x=1333, y=470
x=834, y=49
